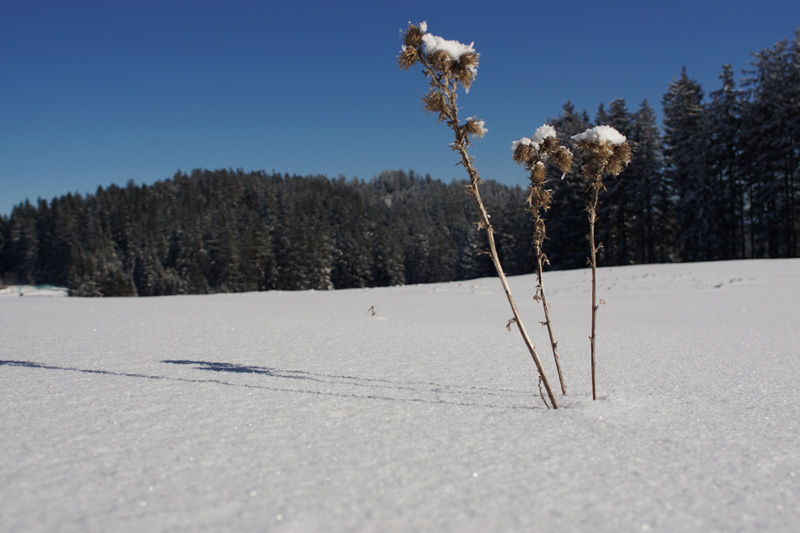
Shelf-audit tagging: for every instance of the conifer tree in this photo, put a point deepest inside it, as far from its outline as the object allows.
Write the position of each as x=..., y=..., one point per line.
x=772, y=149
x=614, y=217
x=567, y=231
x=650, y=199
x=724, y=125
x=685, y=150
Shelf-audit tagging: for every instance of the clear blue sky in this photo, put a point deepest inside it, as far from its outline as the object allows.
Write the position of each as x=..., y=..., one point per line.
x=101, y=92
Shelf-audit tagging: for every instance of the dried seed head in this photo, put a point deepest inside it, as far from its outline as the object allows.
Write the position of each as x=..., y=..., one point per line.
x=440, y=61
x=562, y=158
x=594, y=168
x=433, y=102
x=538, y=173
x=549, y=144
x=470, y=61
x=522, y=153
x=408, y=56
x=413, y=36
x=623, y=152
x=476, y=127
x=465, y=76
x=466, y=68
x=605, y=157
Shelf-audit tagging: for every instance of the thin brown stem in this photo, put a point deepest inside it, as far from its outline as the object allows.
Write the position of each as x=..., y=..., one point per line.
x=593, y=262
x=541, y=294
x=474, y=180
x=442, y=99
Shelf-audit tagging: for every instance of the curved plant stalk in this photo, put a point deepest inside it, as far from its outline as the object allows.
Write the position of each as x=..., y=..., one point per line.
x=608, y=154
x=594, y=194
x=541, y=296
x=535, y=154
x=448, y=64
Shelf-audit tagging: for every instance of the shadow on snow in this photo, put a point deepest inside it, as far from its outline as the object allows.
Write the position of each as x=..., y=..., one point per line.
x=344, y=386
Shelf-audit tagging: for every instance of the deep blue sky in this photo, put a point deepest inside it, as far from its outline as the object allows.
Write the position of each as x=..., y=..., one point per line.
x=101, y=92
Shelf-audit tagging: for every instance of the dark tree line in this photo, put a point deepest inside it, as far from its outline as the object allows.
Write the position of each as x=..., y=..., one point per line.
x=721, y=182
x=230, y=231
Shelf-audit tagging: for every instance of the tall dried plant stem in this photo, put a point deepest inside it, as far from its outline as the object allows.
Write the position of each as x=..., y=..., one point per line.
x=504, y=281
x=460, y=146
x=592, y=209
x=609, y=153
x=445, y=73
x=541, y=294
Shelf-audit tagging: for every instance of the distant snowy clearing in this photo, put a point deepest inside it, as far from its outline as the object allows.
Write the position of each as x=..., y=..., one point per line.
x=33, y=290
x=306, y=411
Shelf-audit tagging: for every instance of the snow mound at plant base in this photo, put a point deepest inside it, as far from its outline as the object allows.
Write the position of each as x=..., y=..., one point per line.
x=308, y=412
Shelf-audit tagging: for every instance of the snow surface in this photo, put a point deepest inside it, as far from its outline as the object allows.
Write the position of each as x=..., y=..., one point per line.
x=600, y=134
x=305, y=412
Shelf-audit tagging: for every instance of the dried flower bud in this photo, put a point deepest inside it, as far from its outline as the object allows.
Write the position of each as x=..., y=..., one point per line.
x=549, y=144
x=562, y=158
x=470, y=61
x=465, y=76
x=476, y=127
x=440, y=61
x=522, y=153
x=413, y=36
x=408, y=56
x=433, y=102
x=538, y=173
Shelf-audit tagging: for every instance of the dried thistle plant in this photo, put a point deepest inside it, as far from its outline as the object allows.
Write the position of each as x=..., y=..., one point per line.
x=535, y=154
x=448, y=65
x=608, y=153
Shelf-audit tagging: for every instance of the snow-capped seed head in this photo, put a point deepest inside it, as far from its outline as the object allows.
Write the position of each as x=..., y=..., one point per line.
x=440, y=61
x=543, y=132
x=525, y=141
x=413, y=35
x=601, y=134
x=476, y=127
x=454, y=49
x=524, y=151
x=408, y=56
x=562, y=158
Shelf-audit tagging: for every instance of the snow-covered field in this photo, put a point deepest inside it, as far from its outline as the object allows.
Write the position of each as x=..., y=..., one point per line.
x=304, y=412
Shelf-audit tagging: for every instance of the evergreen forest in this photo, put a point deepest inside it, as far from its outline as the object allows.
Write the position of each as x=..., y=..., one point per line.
x=720, y=179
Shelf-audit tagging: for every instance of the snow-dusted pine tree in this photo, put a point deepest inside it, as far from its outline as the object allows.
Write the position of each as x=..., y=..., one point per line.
x=567, y=232
x=614, y=210
x=724, y=125
x=685, y=147
x=771, y=144
x=649, y=216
